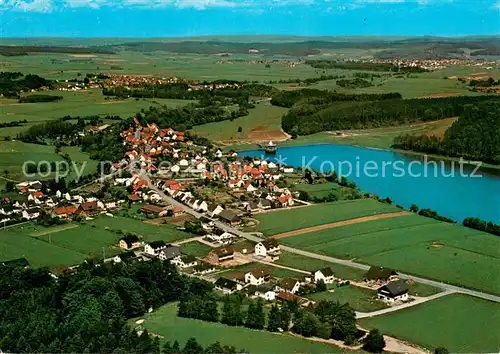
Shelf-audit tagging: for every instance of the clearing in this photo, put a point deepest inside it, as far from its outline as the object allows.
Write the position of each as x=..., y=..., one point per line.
x=460, y=323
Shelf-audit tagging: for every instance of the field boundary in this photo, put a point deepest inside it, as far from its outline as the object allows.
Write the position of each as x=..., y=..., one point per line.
x=340, y=223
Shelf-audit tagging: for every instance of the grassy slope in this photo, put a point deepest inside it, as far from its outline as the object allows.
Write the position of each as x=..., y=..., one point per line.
x=384, y=242
x=460, y=323
x=165, y=322
x=292, y=219
x=263, y=115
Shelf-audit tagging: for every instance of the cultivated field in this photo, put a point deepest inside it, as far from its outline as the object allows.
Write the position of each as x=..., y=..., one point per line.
x=460, y=323
x=414, y=245
x=63, y=245
x=293, y=219
x=360, y=299
x=320, y=190
x=165, y=322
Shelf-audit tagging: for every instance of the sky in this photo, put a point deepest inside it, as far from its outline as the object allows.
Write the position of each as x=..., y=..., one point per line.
x=181, y=18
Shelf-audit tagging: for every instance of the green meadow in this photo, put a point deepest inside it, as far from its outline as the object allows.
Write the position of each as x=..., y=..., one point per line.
x=460, y=323
x=70, y=244
x=415, y=245
x=360, y=299
x=298, y=218
x=165, y=322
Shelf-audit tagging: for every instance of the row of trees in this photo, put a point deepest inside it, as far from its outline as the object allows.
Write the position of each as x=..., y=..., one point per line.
x=39, y=98
x=14, y=123
x=193, y=347
x=475, y=135
x=328, y=320
x=312, y=118
x=354, y=83
x=86, y=310
x=481, y=225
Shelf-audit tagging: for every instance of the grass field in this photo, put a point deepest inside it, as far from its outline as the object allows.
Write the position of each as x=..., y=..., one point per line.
x=239, y=272
x=460, y=323
x=165, y=322
x=414, y=245
x=64, y=245
x=84, y=103
x=320, y=190
x=264, y=117
x=195, y=248
x=292, y=219
x=310, y=264
x=360, y=299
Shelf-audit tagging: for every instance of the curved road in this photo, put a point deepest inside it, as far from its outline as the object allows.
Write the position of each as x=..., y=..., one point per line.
x=251, y=237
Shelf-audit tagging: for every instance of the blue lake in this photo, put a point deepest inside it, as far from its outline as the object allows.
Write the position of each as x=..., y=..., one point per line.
x=445, y=187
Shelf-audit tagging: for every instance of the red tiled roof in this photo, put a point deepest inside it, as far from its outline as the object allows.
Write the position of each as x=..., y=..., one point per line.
x=68, y=210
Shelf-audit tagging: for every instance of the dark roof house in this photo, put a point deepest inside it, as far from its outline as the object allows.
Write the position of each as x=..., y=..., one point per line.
x=229, y=216
x=394, y=288
x=226, y=284
x=380, y=273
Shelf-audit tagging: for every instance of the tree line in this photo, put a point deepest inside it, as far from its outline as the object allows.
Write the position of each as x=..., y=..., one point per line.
x=312, y=118
x=39, y=98
x=327, y=320
x=482, y=225
x=474, y=135
x=85, y=310
x=14, y=123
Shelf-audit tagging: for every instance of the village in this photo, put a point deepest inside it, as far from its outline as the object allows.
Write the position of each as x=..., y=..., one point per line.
x=216, y=194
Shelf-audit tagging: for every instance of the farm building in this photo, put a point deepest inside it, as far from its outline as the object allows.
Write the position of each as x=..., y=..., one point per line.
x=393, y=291
x=221, y=254
x=269, y=248
x=257, y=277
x=230, y=217
x=88, y=209
x=155, y=210
x=227, y=286
x=380, y=273
x=288, y=285
x=324, y=274
x=129, y=242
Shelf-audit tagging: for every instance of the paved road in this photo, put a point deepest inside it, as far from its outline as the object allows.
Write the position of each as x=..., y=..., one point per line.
x=415, y=302
x=348, y=263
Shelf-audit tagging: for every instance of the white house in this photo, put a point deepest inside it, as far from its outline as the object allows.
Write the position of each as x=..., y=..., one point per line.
x=186, y=261
x=324, y=274
x=203, y=207
x=393, y=291
x=175, y=168
x=184, y=163
x=214, y=209
x=257, y=277
x=288, y=169
x=265, y=292
x=269, y=248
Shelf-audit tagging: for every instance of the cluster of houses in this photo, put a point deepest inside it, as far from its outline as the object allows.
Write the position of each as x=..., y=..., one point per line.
x=259, y=283
x=32, y=200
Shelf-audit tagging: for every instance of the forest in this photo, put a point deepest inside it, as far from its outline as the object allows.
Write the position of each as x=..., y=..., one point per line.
x=85, y=310
x=310, y=118
x=289, y=99
x=12, y=83
x=474, y=135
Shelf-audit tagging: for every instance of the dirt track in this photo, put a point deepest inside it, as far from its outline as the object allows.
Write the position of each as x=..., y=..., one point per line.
x=340, y=223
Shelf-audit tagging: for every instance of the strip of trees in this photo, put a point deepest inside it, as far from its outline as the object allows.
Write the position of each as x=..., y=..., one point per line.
x=328, y=320
x=12, y=83
x=39, y=98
